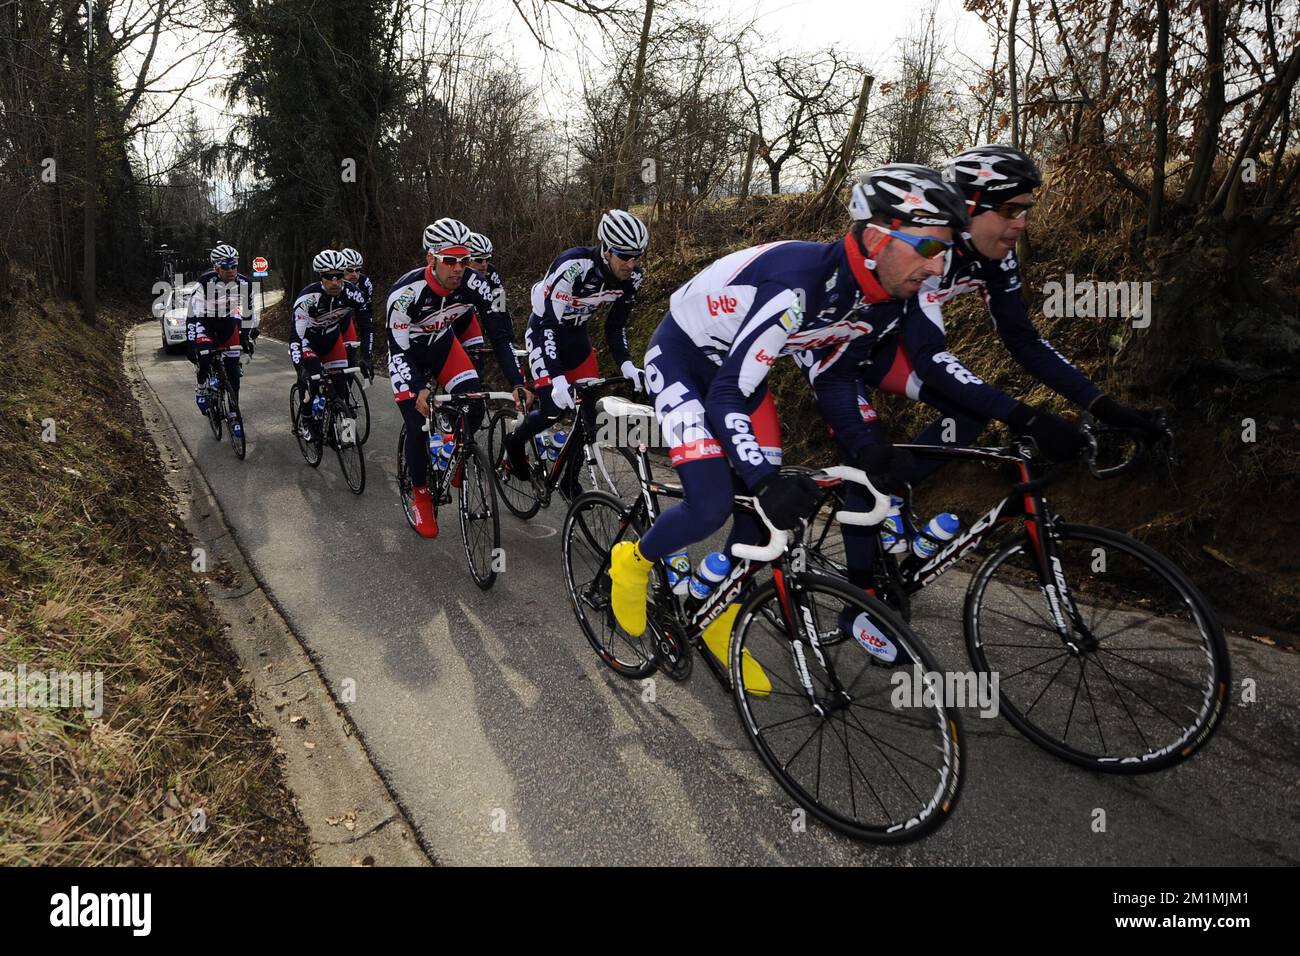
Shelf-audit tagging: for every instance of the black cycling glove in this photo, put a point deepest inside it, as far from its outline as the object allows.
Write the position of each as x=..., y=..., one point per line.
x=787, y=498
x=1122, y=416
x=889, y=468
x=1057, y=439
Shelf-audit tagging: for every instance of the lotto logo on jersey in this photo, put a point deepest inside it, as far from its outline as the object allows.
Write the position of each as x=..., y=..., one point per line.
x=742, y=437
x=723, y=303
x=400, y=326
x=866, y=410
x=768, y=360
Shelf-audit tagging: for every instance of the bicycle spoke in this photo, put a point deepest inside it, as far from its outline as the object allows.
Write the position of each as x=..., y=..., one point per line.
x=1151, y=670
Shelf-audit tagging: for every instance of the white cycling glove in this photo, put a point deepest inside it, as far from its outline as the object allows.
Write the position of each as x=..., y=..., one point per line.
x=633, y=374
x=560, y=394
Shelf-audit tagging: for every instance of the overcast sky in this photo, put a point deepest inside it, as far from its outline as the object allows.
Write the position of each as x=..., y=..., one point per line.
x=867, y=29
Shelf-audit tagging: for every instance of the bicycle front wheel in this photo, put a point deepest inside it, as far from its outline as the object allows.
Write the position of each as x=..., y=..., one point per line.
x=347, y=446
x=520, y=494
x=872, y=749
x=1143, y=681
x=480, y=524
x=313, y=449
x=359, y=407
x=594, y=524
x=216, y=412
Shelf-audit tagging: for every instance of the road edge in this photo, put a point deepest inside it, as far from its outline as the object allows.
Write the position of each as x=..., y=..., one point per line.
x=353, y=816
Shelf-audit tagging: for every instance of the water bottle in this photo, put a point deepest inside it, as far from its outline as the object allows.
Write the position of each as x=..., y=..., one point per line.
x=893, y=537
x=938, y=531
x=558, y=438
x=543, y=442
x=214, y=383
x=679, y=572
x=711, y=571
x=435, y=448
x=201, y=399
x=318, y=406
x=446, y=451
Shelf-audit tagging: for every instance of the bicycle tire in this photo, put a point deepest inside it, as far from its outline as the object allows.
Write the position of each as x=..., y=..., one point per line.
x=591, y=528
x=313, y=450
x=216, y=413
x=522, y=499
x=1117, y=665
x=615, y=472
x=352, y=459
x=360, y=410
x=404, y=480
x=911, y=801
x=478, y=503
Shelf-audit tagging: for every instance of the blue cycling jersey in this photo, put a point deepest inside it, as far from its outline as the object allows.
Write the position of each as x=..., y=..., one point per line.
x=999, y=282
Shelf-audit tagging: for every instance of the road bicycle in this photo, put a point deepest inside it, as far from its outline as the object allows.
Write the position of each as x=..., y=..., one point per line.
x=825, y=717
x=583, y=463
x=222, y=406
x=1106, y=654
x=467, y=469
x=335, y=425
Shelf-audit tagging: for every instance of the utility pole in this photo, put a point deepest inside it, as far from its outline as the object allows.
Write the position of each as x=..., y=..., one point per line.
x=88, y=261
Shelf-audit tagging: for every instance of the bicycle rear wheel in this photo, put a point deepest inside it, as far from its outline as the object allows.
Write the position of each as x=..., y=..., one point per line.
x=1146, y=684
x=348, y=448
x=877, y=758
x=313, y=449
x=521, y=495
x=595, y=522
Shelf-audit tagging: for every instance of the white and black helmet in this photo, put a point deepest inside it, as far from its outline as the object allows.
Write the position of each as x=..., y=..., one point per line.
x=623, y=232
x=223, y=253
x=446, y=235
x=480, y=246
x=909, y=195
x=992, y=172
x=328, y=260
x=351, y=258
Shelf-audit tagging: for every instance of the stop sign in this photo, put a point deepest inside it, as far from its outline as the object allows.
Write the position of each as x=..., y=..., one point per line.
x=260, y=264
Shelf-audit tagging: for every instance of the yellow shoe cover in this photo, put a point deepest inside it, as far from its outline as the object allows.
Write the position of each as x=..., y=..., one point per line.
x=629, y=575
x=717, y=638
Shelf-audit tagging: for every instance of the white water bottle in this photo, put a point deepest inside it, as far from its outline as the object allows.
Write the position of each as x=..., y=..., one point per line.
x=445, y=451
x=435, y=448
x=679, y=572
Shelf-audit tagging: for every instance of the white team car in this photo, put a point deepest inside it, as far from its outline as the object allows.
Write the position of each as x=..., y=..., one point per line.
x=170, y=309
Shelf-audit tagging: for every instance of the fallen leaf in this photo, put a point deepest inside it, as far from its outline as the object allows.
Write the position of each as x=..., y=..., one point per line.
x=309, y=745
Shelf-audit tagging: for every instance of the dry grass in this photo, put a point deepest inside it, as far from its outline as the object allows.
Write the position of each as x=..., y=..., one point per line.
x=95, y=575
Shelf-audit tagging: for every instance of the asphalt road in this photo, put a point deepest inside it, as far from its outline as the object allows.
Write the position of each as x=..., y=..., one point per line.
x=507, y=741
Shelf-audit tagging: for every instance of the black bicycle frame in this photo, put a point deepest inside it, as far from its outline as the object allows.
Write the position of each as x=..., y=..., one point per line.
x=1025, y=502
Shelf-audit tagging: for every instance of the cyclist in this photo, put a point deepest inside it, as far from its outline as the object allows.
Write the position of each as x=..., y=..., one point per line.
x=709, y=358
x=998, y=183
x=579, y=282
x=424, y=307
x=485, y=280
x=324, y=328
x=352, y=263
x=219, y=310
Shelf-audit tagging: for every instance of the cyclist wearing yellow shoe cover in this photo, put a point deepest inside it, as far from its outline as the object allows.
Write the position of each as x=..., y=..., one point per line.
x=709, y=358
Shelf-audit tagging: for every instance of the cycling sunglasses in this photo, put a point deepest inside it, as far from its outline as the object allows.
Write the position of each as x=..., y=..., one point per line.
x=227, y=263
x=626, y=255
x=331, y=275
x=352, y=269
x=926, y=246
x=454, y=260
x=1008, y=210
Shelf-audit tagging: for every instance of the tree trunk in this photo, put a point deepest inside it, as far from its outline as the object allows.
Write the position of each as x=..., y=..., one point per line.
x=634, y=110
x=836, y=176
x=747, y=175
x=1011, y=71
x=1160, y=78
x=88, y=304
